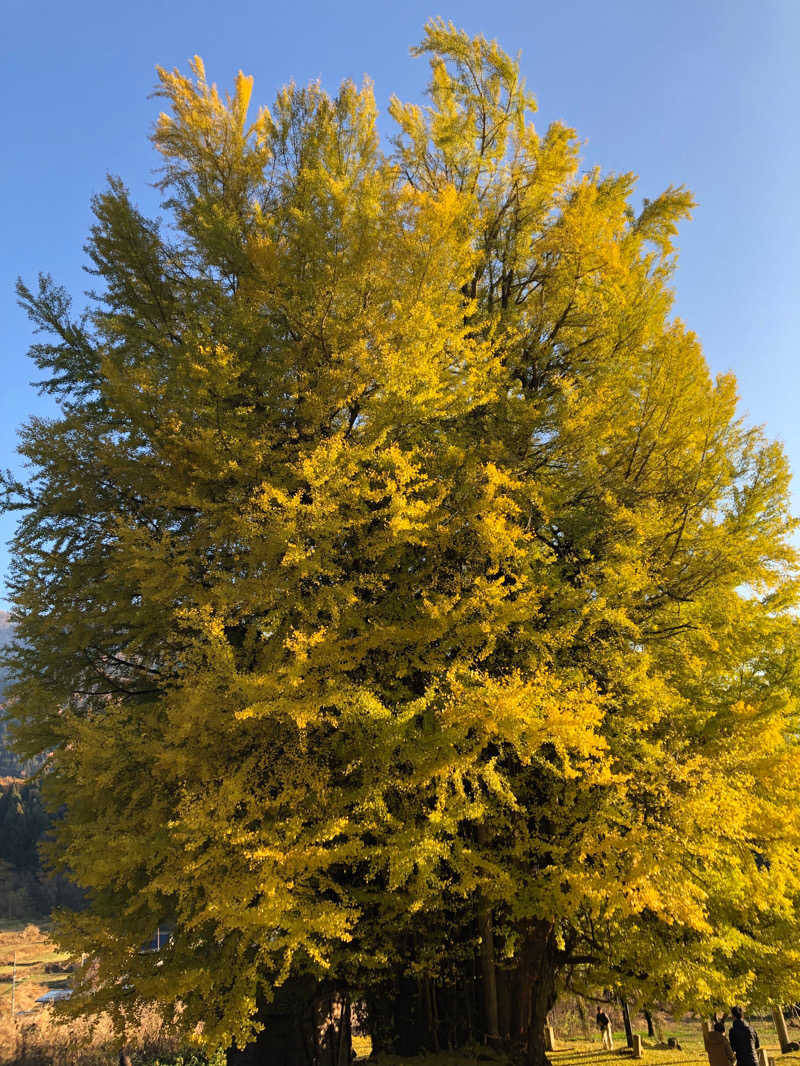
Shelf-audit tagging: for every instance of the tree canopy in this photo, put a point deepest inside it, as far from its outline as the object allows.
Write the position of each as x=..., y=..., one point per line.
x=397, y=594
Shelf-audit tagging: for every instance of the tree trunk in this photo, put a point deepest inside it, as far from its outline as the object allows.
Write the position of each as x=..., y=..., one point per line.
x=411, y=1035
x=504, y=992
x=538, y=959
x=521, y=1017
x=287, y=1036
x=488, y=971
x=469, y=1004
x=648, y=1017
x=429, y=1011
x=345, y=1041
x=659, y=1030
x=280, y=1043
x=488, y=974
x=584, y=1020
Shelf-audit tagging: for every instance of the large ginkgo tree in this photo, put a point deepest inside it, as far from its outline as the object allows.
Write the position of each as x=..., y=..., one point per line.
x=408, y=614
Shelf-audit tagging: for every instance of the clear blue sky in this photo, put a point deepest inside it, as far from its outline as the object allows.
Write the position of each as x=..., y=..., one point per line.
x=701, y=92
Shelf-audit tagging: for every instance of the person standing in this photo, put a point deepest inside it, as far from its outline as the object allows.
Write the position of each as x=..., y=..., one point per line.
x=604, y=1025
x=720, y=1052
x=743, y=1039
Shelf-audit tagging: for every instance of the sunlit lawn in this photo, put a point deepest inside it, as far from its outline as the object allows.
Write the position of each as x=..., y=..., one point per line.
x=688, y=1033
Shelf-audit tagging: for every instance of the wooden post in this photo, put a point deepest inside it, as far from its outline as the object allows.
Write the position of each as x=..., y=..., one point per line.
x=637, y=1046
x=626, y=1019
x=763, y=1059
x=549, y=1038
x=780, y=1026
x=14, y=991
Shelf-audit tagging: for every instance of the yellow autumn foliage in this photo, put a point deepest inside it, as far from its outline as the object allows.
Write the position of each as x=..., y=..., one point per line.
x=394, y=562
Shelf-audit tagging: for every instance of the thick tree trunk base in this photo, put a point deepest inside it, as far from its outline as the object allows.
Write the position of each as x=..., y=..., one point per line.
x=408, y=1016
x=279, y=1044
x=303, y=1026
x=539, y=967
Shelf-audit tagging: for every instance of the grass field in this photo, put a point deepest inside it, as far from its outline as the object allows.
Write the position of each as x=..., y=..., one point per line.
x=579, y=1052
x=40, y=967
x=576, y=1051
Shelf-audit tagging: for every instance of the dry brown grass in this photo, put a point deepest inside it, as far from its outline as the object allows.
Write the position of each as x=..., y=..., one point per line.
x=41, y=1040
x=38, y=1039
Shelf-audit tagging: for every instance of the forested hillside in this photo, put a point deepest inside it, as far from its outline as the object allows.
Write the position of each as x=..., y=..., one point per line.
x=5, y=636
x=10, y=765
x=26, y=889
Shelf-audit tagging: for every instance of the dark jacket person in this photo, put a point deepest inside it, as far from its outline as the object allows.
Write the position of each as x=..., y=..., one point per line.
x=720, y=1052
x=744, y=1039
